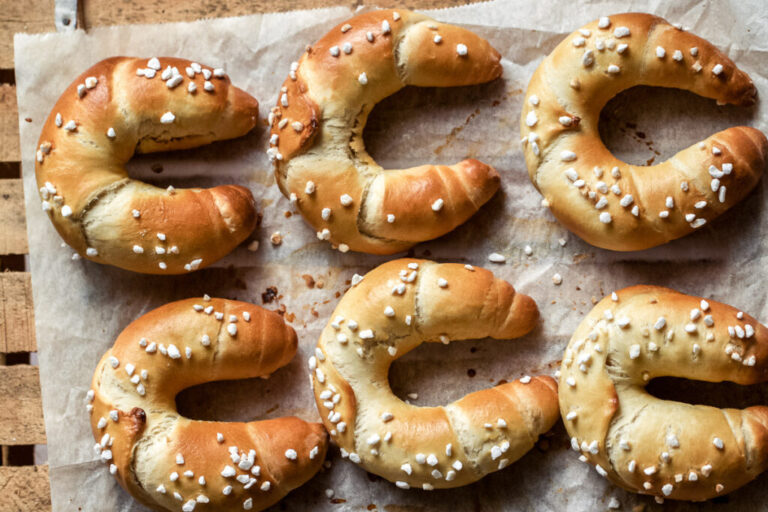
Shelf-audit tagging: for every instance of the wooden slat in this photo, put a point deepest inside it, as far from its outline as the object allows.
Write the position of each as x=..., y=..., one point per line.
x=21, y=406
x=17, y=320
x=24, y=488
x=9, y=125
x=24, y=16
x=13, y=235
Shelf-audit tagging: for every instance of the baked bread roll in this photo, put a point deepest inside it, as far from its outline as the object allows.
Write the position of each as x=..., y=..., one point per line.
x=317, y=132
x=170, y=463
x=660, y=447
x=605, y=201
x=394, y=309
x=122, y=106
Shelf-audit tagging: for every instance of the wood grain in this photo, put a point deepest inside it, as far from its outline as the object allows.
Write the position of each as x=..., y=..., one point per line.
x=13, y=235
x=9, y=124
x=21, y=406
x=30, y=16
x=24, y=489
x=17, y=318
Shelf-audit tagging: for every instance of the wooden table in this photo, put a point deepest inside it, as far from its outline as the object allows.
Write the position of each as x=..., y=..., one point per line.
x=23, y=480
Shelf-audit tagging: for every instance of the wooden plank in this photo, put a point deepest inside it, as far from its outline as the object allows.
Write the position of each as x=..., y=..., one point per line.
x=155, y=11
x=24, y=488
x=21, y=406
x=9, y=124
x=17, y=318
x=30, y=16
x=13, y=236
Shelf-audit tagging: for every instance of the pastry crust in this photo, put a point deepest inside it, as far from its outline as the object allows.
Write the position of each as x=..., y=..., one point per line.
x=317, y=132
x=114, y=110
x=605, y=201
x=394, y=309
x=168, y=462
x=660, y=447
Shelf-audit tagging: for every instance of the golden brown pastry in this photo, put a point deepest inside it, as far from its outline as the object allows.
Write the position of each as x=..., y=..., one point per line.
x=660, y=447
x=317, y=132
x=122, y=106
x=171, y=463
x=605, y=201
x=392, y=310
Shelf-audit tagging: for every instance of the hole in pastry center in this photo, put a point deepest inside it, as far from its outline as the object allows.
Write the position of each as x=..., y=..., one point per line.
x=440, y=374
x=433, y=125
x=220, y=162
x=647, y=125
x=285, y=393
x=714, y=394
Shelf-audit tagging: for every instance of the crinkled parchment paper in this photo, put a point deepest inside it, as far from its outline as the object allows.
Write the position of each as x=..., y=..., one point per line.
x=80, y=307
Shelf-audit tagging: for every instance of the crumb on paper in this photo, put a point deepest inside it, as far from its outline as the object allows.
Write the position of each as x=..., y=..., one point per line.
x=528, y=250
x=557, y=279
x=562, y=242
x=276, y=238
x=253, y=246
x=269, y=295
x=579, y=257
x=495, y=257
x=308, y=280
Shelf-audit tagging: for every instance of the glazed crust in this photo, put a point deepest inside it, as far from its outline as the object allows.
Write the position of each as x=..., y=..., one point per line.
x=659, y=447
x=90, y=198
x=140, y=435
x=318, y=123
x=426, y=447
x=641, y=207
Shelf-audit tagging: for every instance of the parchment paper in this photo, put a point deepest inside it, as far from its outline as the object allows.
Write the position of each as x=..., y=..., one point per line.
x=80, y=306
